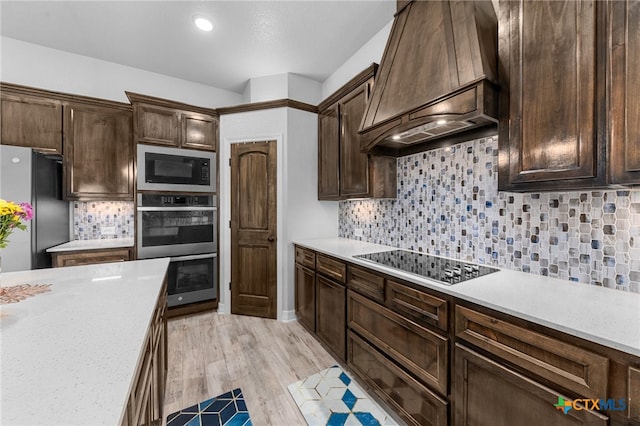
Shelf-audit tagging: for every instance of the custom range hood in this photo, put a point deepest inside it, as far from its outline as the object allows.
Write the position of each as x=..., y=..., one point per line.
x=437, y=81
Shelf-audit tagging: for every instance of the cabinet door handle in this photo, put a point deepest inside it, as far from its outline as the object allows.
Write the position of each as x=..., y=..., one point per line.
x=271, y=239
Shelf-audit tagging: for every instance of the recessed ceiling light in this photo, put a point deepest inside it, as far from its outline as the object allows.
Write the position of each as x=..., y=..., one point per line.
x=203, y=23
x=395, y=137
x=441, y=122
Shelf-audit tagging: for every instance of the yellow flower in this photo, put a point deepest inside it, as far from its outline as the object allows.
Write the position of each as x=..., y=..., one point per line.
x=8, y=207
x=11, y=217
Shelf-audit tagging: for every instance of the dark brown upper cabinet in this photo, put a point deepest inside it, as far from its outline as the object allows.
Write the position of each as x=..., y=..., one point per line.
x=344, y=171
x=437, y=80
x=329, y=154
x=550, y=58
x=98, y=152
x=567, y=120
x=163, y=122
x=30, y=120
x=157, y=125
x=624, y=97
x=94, y=135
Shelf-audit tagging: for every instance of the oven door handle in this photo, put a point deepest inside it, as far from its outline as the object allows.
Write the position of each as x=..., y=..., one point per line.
x=193, y=257
x=176, y=209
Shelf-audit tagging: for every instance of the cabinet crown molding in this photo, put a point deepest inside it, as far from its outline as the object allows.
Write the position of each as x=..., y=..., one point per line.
x=352, y=84
x=17, y=89
x=146, y=99
x=278, y=103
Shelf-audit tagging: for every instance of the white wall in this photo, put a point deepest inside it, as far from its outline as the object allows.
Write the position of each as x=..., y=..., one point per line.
x=266, y=88
x=305, y=216
x=283, y=86
x=371, y=52
x=300, y=215
x=304, y=89
x=37, y=66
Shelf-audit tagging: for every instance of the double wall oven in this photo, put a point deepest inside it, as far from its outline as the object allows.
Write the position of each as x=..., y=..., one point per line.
x=177, y=218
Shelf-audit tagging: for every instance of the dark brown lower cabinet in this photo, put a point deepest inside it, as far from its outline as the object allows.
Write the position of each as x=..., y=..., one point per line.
x=489, y=394
x=90, y=257
x=331, y=315
x=502, y=371
x=633, y=411
x=306, y=297
x=416, y=404
x=146, y=399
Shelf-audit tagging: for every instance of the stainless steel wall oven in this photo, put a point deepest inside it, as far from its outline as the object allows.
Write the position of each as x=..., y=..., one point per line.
x=192, y=279
x=184, y=228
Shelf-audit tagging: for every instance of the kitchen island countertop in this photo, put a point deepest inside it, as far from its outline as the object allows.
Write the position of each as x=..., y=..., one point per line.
x=69, y=355
x=601, y=315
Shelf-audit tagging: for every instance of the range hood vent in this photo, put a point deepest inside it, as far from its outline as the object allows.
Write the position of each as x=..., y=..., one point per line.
x=437, y=79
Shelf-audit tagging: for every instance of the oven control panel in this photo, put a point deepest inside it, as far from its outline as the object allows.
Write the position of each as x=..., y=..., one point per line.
x=175, y=200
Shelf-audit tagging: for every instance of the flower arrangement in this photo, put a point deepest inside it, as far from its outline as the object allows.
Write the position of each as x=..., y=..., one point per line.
x=12, y=216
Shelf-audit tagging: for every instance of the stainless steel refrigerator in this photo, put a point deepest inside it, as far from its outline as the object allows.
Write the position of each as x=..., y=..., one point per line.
x=26, y=176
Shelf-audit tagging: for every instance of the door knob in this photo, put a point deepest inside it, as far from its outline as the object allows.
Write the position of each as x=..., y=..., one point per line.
x=271, y=239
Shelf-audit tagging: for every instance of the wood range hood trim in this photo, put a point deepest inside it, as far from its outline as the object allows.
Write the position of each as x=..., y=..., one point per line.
x=409, y=109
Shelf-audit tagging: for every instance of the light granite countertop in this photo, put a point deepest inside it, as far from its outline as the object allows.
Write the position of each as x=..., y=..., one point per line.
x=69, y=355
x=601, y=315
x=107, y=243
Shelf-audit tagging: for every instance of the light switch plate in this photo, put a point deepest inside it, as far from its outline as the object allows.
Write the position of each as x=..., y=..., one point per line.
x=358, y=232
x=108, y=230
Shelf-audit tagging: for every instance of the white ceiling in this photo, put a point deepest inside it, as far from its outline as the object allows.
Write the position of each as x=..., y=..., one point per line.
x=250, y=38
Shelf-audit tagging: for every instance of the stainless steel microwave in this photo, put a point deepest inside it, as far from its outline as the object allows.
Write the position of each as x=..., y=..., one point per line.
x=173, y=169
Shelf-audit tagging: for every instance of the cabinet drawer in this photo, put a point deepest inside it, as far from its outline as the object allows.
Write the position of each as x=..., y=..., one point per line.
x=306, y=257
x=417, y=349
x=421, y=307
x=366, y=283
x=415, y=403
x=567, y=365
x=488, y=393
x=331, y=268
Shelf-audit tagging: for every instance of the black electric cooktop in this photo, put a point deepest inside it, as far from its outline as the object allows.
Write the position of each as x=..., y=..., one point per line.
x=447, y=271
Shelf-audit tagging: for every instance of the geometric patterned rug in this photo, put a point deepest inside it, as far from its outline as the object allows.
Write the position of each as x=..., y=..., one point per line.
x=331, y=398
x=228, y=409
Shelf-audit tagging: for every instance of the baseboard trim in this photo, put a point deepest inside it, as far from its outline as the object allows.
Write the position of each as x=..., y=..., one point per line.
x=289, y=316
x=222, y=308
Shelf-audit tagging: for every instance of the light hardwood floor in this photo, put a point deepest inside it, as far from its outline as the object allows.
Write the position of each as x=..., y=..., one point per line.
x=210, y=354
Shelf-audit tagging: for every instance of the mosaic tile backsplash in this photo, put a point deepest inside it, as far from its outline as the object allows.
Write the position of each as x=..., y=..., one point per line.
x=448, y=204
x=89, y=219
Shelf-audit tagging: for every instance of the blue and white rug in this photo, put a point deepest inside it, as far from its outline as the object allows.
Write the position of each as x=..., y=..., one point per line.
x=331, y=398
x=228, y=409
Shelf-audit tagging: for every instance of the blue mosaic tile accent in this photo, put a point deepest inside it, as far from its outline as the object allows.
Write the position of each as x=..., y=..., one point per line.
x=349, y=399
x=89, y=218
x=228, y=409
x=448, y=204
x=345, y=379
x=367, y=419
x=337, y=419
x=331, y=398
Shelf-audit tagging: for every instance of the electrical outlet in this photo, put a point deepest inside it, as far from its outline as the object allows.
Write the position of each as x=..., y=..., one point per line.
x=358, y=232
x=108, y=230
